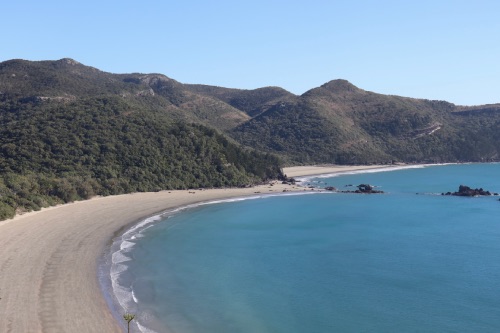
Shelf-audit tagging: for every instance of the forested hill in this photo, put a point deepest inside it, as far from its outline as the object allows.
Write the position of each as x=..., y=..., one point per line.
x=69, y=131
x=340, y=123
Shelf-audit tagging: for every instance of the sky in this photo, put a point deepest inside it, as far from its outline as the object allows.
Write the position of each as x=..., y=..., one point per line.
x=441, y=49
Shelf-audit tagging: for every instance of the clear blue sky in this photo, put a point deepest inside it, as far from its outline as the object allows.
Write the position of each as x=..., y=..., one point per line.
x=445, y=50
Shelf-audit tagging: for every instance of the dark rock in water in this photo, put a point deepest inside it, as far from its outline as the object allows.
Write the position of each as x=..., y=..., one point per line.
x=364, y=188
x=330, y=188
x=466, y=191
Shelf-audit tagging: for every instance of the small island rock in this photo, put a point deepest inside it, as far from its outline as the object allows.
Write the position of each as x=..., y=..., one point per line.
x=466, y=191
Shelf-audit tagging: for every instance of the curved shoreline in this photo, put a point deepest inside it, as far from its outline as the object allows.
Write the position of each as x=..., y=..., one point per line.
x=49, y=259
x=120, y=297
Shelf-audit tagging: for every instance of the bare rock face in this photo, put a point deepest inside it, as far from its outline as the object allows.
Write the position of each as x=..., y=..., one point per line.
x=154, y=79
x=146, y=92
x=70, y=61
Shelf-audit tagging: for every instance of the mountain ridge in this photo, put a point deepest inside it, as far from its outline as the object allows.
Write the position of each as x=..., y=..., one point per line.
x=70, y=131
x=346, y=119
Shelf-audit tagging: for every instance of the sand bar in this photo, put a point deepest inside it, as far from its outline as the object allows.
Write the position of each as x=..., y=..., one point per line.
x=49, y=259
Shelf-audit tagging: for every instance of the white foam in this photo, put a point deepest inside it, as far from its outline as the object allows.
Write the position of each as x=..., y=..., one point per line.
x=126, y=245
x=140, y=225
x=228, y=200
x=123, y=296
x=118, y=257
x=137, y=236
x=117, y=269
x=144, y=329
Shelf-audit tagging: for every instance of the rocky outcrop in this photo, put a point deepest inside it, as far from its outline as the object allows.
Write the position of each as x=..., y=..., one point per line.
x=364, y=189
x=466, y=191
x=288, y=181
x=146, y=92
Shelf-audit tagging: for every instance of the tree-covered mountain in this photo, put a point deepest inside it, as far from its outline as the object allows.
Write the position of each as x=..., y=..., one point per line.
x=70, y=131
x=340, y=123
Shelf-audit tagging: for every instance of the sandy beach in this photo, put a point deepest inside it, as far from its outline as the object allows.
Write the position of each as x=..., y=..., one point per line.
x=49, y=259
x=318, y=170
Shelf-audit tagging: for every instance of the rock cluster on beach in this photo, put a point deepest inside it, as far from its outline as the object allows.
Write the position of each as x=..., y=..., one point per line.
x=289, y=181
x=466, y=191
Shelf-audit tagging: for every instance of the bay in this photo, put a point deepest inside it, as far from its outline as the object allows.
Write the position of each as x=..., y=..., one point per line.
x=409, y=260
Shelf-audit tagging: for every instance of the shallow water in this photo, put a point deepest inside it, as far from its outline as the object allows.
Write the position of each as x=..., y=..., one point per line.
x=394, y=262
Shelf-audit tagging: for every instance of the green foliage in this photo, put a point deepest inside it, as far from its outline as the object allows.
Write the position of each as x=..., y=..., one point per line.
x=6, y=211
x=339, y=123
x=66, y=80
x=52, y=152
x=300, y=134
x=128, y=318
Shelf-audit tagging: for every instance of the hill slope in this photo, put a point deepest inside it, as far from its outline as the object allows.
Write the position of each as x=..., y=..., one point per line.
x=252, y=102
x=340, y=123
x=69, y=132
x=66, y=80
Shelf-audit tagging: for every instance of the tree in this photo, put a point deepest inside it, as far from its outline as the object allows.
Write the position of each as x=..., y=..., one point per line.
x=128, y=318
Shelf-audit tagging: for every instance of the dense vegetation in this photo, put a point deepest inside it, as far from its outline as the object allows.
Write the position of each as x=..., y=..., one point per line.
x=52, y=152
x=339, y=123
x=70, y=131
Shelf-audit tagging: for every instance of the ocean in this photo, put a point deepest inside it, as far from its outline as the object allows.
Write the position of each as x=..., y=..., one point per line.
x=408, y=260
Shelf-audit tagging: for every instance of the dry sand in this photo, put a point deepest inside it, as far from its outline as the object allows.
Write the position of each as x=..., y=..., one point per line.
x=317, y=170
x=49, y=259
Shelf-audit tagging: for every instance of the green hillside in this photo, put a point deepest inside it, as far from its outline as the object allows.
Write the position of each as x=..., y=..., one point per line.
x=69, y=131
x=63, y=140
x=340, y=123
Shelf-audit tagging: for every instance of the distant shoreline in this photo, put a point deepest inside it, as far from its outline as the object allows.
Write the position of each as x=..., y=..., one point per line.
x=313, y=170
x=49, y=259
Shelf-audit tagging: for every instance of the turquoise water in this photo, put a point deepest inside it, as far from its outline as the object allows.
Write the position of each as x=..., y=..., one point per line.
x=326, y=262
